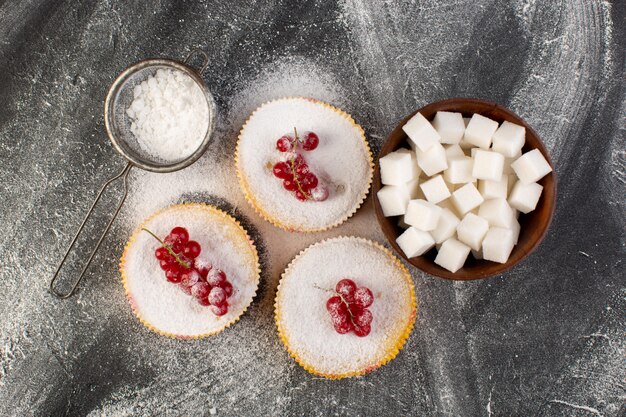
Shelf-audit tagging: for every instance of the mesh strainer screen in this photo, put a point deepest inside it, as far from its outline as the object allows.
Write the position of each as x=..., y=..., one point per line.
x=118, y=123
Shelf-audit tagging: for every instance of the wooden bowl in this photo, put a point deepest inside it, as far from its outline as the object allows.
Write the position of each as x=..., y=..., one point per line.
x=534, y=225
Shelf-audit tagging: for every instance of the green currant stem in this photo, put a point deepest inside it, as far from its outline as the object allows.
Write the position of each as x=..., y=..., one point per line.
x=169, y=249
x=293, y=164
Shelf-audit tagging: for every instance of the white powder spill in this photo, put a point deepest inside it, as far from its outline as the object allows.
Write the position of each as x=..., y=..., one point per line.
x=168, y=115
x=341, y=161
x=310, y=282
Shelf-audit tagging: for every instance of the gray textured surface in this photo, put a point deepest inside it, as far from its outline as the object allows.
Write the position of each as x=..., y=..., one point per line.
x=545, y=339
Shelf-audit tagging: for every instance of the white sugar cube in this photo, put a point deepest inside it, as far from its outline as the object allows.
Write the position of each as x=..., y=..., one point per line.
x=531, y=167
x=422, y=215
x=524, y=197
x=446, y=227
x=432, y=161
x=453, y=151
x=516, y=229
x=459, y=170
x=498, y=244
x=494, y=189
x=413, y=187
x=396, y=168
x=415, y=169
x=450, y=126
x=414, y=242
x=497, y=212
x=421, y=132
x=466, y=198
x=511, y=180
x=435, y=189
x=452, y=255
x=509, y=139
x=479, y=131
x=393, y=199
x=487, y=165
x=471, y=230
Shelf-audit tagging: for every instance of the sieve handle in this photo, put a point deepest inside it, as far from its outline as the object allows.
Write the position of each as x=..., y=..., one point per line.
x=205, y=58
x=62, y=295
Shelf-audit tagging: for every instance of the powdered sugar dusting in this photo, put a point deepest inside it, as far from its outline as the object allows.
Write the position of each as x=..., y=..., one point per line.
x=310, y=281
x=163, y=304
x=341, y=161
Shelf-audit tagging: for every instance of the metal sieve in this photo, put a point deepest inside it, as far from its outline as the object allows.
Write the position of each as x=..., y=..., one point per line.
x=117, y=123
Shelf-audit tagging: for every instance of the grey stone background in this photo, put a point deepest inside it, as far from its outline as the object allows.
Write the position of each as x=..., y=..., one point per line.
x=546, y=338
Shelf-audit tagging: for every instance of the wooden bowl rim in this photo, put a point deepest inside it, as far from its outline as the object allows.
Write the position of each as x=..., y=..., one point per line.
x=421, y=262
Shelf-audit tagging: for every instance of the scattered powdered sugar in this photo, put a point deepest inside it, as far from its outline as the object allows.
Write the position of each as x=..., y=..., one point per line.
x=169, y=115
x=166, y=306
x=310, y=281
x=341, y=161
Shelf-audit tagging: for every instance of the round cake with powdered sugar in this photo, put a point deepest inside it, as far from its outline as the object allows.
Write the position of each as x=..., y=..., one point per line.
x=302, y=164
x=190, y=271
x=344, y=307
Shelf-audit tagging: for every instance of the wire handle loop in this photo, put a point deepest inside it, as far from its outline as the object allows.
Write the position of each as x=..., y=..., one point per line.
x=64, y=295
x=205, y=59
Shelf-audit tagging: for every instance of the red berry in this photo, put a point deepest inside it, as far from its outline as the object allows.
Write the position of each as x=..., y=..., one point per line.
x=192, y=249
x=185, y=289
x=290, y=185
x=179, y=234
x=298, y=160
x=282, y=170
x=284, y=144
x=301, y=196
x=343, y=327
x=355, y=309
x=174, y=273
x=346, y=288
x=204, y=301
x=165, y=264
x=162, y=254
x=189, y=278
x=175, y=245
x=364, y=318
x=334, y=304
x=302, y=170
x=362, y=331
x=217, y=296
x=310, y=141
x=309, y=181
x=319, y=193
x=216, y=277
x=363, y=297
x=228, y=288
x=200, y=290
x=219, y=310
x=341, y=320
x=202, y=267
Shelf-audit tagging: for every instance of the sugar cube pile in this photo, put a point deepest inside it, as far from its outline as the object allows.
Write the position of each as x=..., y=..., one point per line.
x=461, y=187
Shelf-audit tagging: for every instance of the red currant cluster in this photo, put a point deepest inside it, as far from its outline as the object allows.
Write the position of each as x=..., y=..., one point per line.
x=348, y=309
x=177, y=256
x=295, y=172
